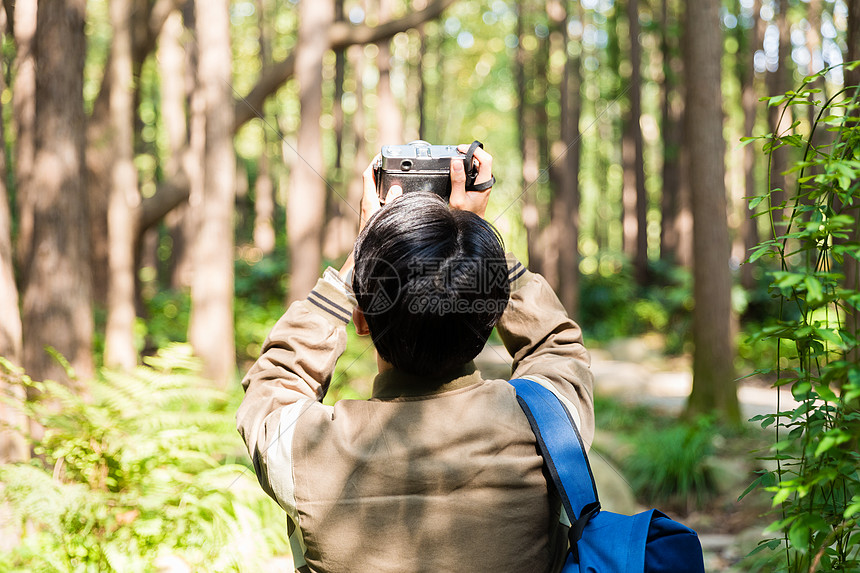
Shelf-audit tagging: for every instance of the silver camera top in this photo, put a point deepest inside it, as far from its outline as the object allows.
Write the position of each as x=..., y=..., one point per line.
x=416, y=166
x=418, y=156
x=420, y=166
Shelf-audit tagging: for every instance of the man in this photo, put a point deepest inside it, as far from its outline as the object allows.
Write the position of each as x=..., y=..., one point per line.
x=439, y=470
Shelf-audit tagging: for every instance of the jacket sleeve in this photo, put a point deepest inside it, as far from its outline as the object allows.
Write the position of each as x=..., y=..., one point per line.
x=292, y=375
x=546, y=344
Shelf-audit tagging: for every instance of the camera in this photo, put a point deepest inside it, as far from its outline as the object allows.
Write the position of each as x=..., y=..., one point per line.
x=418, y=166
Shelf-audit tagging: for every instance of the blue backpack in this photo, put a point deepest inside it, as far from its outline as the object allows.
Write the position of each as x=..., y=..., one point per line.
x=601, y=541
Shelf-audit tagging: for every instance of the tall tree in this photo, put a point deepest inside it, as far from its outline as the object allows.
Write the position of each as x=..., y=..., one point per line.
x=746, y=68
x=337, y=100
x=175, y=74
x=264, y=187
x=634, y=225
x=264, y=204
x=813, y=45
x=421, y=98
x=852, y=77
x=671, y=110
x=24, y=111
x=10, y=326
x=339, y=234
x=120, y=351
x=210, y=329
x=354, y=188
x=851, y=264
x=528, y=146
x=306, y=201
x=546, y=244
x=389, y=119
x=714, y=386
x=780, y=116
x=565, y=215
x=149, y=17
x=13, y=447
x=57, y=307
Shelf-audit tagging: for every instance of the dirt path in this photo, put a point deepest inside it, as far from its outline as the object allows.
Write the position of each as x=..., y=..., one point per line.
x=634, y=370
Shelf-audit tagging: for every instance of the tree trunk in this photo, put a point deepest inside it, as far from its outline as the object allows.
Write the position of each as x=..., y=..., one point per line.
x=10, y=326
x=120, y=351
x=338, y=239
x=551, y=143
x=670, y=112
x=714, y=386
x=852, y=77
x=24, y=111
x=777, y=83
x=566, y=198
x=684, y=217
x=359, y=125
x=264, y=187
x=57, y=302
x=99, y=155
x=528, y=151
x=210, y=329
x=851, y=265
x=174, y=74
x=546, y=240
x=749, y=102
x=337, y=101
x=422, y=96
x=264, y=206
x=389, y=119
x=145, y=26
x=306, y=201
x=635, y=201
x=13, y=446
x=816, y=61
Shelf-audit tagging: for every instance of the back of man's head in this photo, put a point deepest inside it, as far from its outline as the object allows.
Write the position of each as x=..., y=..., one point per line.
x=431, y=281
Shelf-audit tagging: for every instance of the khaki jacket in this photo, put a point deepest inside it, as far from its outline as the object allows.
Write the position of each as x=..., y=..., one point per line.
x=432, y=473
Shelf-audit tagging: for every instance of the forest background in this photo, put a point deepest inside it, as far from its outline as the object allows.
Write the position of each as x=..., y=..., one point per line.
x=178, y=171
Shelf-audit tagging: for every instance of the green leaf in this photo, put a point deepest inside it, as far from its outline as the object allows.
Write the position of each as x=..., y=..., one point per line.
x=759, y=252
x=852, y=509
x=770, y=544
x=801, y=389
x=783, y=279
x=813, y=289
x=755, y=201
x=830, y=336
x=798, y=536
x=826, y=394
x=794, y=140
x=830, y=440
x=759, y=481
x=845, y=176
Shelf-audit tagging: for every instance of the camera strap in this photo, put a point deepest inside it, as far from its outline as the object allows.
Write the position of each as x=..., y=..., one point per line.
x=472, y=170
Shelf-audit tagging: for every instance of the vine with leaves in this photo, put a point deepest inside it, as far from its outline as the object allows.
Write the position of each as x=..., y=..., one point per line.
x=813, y=480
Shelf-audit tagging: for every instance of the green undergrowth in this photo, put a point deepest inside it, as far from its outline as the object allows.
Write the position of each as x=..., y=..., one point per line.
x=138, y=470
x=669, y=462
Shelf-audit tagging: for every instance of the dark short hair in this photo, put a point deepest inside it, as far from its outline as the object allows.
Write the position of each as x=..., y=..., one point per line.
x=432, y=283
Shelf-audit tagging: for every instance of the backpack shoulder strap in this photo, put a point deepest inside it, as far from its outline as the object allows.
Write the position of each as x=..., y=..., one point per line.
x=560, y=445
